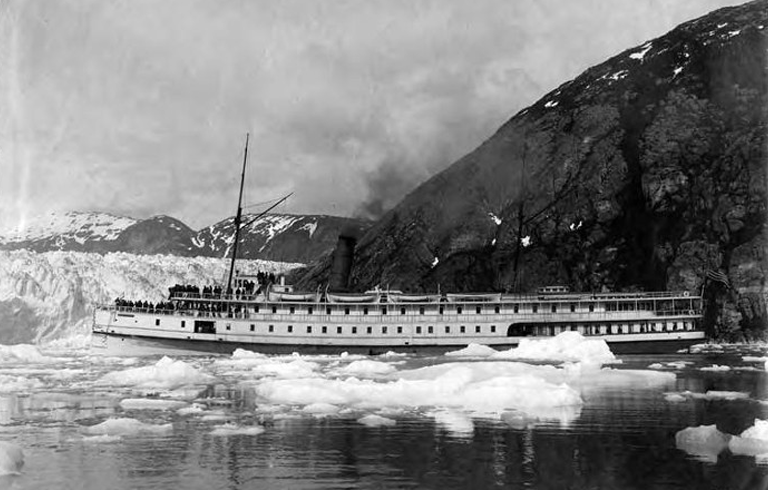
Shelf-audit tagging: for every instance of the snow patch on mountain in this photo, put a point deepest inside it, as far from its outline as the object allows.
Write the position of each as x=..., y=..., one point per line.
x=310, y=227
x=72, y=225
x=273, y=224
x=51, y=295
x=640, y=54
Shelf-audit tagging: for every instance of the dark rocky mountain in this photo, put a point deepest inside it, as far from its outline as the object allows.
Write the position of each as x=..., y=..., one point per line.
x=277, y=237
x=157, y=235
x=280, y=237
x=646, y=172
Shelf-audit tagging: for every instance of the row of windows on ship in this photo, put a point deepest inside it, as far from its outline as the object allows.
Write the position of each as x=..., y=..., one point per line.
x=513, y=330
x=534, y=308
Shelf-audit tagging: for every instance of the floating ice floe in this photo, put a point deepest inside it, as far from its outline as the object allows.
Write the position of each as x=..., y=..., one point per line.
x=321, y=409
x=126, y=426
x=23, y=353
x=715, y=367
x=759, y=359
x=165, y=374
x=19, y=384
x=193, y=409
x=709, y=395
x=674, y=397
x=566, y=346
x=366, y=368
x=11, y=458
x=151, y=404
x=670, y=365
x=678, y=364
x=700, y=348
x=589, y=378
x=215, y=416
x=473, y=350
x=390, y=354
x=704, y=442
x=478, y=389
x=374, y=420
x=456, y=423
x=294, y=369
x=753, y=441
x=227, y=430
x=103, y=438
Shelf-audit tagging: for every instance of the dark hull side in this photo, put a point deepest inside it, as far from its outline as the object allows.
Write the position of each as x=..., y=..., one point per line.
x=128, y=345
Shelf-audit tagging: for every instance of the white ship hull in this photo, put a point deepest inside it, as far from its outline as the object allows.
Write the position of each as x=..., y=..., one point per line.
x=627, y=323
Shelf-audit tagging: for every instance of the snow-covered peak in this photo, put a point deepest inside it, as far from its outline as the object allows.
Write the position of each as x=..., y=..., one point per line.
x=71, y=225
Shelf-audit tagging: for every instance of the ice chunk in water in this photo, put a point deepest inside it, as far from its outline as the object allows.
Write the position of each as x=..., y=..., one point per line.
x=125, y=426
x=104, y=438
x=192, y=409
x=367, y=368
x=674, y=397
x=373, y=420
x=151, y=404
x=753, y=441
x=11, y=458
x=715, y=367
x=456, y=423
x=227, y=430
x=165, y=374
x=18, y=384
x=566, y=346
x=22, y=353
x=704, y=442
x=294, y=369
x=710, y=395
x=321, y=409
x=473, y=350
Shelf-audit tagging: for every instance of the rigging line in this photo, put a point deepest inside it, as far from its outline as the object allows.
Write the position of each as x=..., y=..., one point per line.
x=268, y=210
x=260, y=203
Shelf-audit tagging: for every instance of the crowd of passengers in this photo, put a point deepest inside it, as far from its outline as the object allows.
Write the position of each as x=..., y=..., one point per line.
x=245, y=288
x=145, y=305
x=186, y=293
x=191, y=307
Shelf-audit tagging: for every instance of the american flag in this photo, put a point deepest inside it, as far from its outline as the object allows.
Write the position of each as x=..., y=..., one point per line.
x=718, y=276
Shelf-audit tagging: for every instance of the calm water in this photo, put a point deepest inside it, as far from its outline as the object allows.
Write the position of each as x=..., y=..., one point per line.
x=622, y=437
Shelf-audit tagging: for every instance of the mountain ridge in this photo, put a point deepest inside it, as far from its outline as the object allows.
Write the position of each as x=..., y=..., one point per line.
x=281, y=237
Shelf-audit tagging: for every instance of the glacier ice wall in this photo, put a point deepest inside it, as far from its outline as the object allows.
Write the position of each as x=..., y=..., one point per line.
x=51, y=295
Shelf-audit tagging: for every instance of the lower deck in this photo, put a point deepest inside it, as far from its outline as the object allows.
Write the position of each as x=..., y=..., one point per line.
x=114, y=344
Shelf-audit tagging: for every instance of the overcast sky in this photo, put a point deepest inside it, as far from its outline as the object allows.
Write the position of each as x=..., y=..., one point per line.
x=140, y=107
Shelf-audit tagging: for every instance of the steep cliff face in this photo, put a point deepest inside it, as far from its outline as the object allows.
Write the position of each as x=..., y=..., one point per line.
x=645, y=172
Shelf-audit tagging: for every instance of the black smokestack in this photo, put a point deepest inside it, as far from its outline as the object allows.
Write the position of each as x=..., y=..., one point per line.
x=343, y=256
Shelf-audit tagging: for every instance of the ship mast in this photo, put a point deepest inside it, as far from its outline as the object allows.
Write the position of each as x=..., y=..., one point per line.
x=517, y=281
x=238, y=217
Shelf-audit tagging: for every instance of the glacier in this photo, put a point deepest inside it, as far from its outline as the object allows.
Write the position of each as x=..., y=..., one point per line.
x=51, y=296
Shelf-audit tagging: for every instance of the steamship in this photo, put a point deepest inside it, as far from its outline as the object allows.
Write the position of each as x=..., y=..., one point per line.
x=256, y=315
